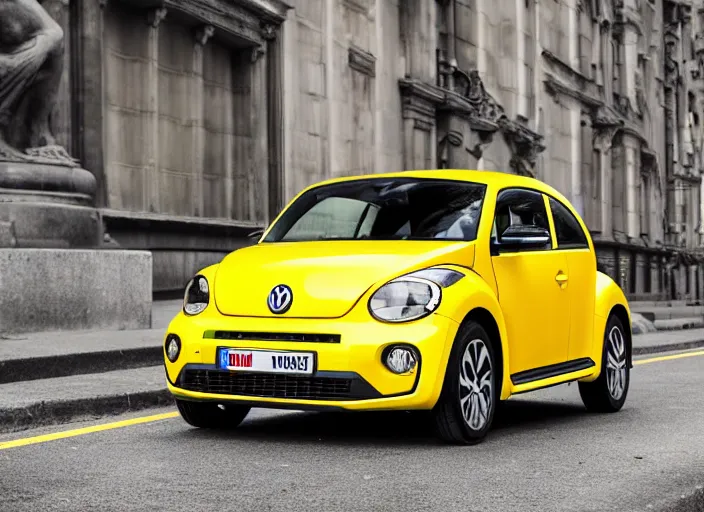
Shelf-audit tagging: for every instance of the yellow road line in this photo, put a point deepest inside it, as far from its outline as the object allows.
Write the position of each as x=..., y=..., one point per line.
x=169, y=415
x=87, y=430
x=668, y=358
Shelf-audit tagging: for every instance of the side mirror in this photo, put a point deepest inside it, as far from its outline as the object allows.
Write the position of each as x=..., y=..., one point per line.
x=254, y=236
x=521, y=237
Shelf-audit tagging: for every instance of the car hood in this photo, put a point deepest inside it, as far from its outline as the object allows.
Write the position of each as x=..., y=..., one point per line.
x=326, y=278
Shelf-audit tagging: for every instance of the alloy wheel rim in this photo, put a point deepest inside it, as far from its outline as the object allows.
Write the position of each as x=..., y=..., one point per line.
x=616, y=363
x=476, y=387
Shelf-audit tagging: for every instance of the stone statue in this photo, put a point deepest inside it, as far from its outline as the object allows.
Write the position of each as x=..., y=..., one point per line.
x=31, y=65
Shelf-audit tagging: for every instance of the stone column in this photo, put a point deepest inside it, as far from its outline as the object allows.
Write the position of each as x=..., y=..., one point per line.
x=151, y=140
x=88, y=131
x=201, y=37
x=291, y=94
x=631, y=146
x=590, y=171
x=576, y=157
x=419, y=39
x=259, y=205
x=607, y=61
x=451, y=145
x=654, y=276
x=672, y=75
x=521, y=53
x=276, y=120
x=603, y=135
x=629, y=65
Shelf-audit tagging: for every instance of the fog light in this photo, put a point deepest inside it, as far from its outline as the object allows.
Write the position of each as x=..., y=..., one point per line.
x=401, y=360
x=173, y=347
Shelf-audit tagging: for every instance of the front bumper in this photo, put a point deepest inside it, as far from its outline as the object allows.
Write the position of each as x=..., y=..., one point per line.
x=348, y=374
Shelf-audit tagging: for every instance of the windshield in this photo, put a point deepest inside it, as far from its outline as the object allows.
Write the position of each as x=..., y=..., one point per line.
x=383, y=209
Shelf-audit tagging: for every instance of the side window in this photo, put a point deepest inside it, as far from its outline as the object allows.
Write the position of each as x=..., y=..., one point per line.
x=522, y=207
x=569, y=233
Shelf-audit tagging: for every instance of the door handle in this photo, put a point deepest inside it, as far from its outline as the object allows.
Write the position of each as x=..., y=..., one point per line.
x=561, y=277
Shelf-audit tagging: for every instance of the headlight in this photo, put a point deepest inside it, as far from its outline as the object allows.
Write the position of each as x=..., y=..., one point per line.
x=412, y=296
x=404, y=299
x=197, y=296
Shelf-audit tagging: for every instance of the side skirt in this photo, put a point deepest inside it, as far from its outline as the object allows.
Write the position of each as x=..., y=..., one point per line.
x=551, y=371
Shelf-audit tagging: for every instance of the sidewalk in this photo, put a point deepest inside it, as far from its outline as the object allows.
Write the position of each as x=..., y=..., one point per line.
x=49, y=378
x=57, y=377
x=667, y=341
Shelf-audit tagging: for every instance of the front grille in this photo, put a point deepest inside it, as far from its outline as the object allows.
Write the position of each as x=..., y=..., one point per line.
x=274, y=336
x=268, y=385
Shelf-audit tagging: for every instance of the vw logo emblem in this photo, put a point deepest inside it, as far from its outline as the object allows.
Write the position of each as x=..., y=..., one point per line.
x=280, y=299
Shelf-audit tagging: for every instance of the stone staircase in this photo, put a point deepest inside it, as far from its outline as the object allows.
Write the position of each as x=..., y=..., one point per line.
x=666, y=316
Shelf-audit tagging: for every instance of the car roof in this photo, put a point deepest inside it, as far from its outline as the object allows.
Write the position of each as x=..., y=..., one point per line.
x=495, y=179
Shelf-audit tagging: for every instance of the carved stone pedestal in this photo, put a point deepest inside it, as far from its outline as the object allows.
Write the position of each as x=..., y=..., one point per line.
x=54, y=272
x=44, y=205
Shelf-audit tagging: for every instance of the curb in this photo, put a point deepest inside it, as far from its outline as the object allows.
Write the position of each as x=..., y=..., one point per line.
x=49, y=367
x=55, y=413
x=59, y=412
x=679, y=327
x=668, y=347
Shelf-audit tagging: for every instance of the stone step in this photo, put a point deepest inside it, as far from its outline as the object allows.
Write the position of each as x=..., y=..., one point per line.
x=668, y=341
x=37, y=403
x=678, y=324
x=662, y=303
x=654, y=313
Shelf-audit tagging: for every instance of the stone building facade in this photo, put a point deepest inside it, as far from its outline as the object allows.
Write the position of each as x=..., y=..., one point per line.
x=201, y=118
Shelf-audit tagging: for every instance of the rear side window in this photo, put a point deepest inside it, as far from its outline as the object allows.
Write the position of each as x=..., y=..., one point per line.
x=568, y=231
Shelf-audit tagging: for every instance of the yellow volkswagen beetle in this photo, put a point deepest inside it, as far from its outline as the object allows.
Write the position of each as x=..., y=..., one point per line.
x=443, y=290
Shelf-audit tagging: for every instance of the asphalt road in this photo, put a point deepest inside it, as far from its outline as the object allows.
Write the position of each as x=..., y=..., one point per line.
x=544, y=454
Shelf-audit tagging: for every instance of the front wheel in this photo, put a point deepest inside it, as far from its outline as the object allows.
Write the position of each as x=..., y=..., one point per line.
x=212, y=415
x=465, y=411
x=608, y=392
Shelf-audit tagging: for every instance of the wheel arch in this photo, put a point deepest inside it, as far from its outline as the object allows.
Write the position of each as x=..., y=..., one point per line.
x=610, y=301
x=485, y=318
x=620, y=312
x=472, y=299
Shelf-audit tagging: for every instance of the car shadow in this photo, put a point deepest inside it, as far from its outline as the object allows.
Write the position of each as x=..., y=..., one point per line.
x=389, y=428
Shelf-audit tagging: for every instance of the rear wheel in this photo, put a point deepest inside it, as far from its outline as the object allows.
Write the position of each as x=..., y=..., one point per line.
x=608, y=392
x=212, y=415
x=465, y=410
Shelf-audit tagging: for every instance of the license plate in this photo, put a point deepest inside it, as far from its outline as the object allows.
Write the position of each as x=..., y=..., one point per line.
x=268, y=361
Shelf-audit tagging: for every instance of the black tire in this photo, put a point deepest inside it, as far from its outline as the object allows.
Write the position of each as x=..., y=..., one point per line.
x=210, y=415
x=449, y=418
x=599, y=395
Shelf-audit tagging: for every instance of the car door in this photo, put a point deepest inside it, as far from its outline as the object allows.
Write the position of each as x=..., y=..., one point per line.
x=572, y=241
x=531, y=292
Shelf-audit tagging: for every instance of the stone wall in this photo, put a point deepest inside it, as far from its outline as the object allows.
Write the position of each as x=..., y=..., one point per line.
x=183, y=121
x=342, y=90
x=176, y=109
x=573, y=92
x=201, y=118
